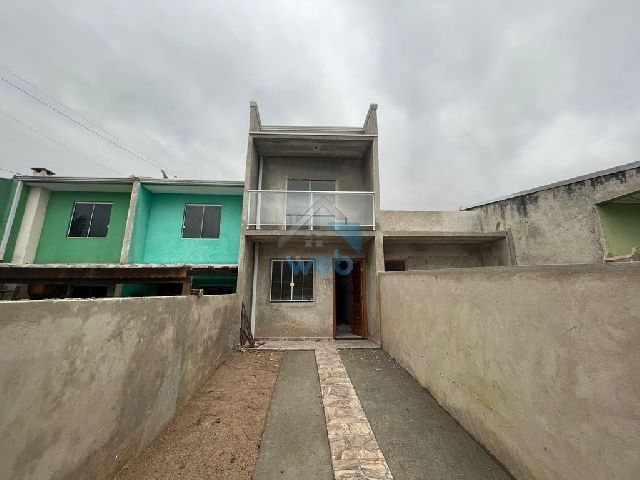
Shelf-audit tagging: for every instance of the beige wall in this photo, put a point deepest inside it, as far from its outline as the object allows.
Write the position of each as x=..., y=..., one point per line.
x=86, y=384
x=559, y=225
x=538, y=363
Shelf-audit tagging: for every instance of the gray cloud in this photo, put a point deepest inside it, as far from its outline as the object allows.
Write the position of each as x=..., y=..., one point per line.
x=477, y=99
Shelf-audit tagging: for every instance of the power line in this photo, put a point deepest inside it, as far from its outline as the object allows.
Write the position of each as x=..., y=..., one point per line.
x=75, y=112
x=89, y=129
x=9, y=171
x=57, y=142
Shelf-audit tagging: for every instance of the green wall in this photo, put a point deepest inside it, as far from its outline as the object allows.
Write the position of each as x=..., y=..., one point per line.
x=158, y=237
x=56, y=247
x=7, y=191
x=621, y=224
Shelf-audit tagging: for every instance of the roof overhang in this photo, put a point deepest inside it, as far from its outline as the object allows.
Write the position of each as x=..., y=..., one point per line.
x=53, y=273
x=292, y=144
x=470, y=238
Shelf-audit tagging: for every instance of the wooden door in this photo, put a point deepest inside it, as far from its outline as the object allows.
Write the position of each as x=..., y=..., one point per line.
x=357, y=299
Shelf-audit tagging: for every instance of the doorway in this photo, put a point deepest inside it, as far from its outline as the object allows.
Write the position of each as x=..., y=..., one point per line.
x=349, y=319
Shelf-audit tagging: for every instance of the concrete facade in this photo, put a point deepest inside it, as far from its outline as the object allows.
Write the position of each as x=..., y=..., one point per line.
x=537, y=363
x=347, y=156
x=560, y=224
x=31, y=226
x=87, y=384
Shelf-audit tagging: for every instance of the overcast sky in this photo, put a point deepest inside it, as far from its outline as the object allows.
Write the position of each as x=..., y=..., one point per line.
x=476, y=99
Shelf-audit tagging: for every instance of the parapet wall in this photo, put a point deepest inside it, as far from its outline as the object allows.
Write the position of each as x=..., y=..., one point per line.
x=429, y=221
x=540, y=364
x=86, y=384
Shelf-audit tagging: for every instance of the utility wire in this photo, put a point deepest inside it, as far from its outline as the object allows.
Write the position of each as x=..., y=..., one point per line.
x=75, y=112
x=89, y=129
x=57, y=142
x=9, y=171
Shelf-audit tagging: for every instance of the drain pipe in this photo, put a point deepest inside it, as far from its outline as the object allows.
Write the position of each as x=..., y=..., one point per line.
x=12, y=215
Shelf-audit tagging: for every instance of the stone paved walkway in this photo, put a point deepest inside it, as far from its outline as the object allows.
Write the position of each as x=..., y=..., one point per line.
x=421, y=438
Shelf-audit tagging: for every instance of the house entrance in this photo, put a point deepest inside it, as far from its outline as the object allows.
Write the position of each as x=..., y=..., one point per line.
x=350, y=320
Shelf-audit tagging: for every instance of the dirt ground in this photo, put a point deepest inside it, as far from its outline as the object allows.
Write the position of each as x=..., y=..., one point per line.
x=218, y=433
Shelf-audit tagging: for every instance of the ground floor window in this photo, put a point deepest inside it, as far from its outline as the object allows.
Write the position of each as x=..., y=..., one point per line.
x=292, y=280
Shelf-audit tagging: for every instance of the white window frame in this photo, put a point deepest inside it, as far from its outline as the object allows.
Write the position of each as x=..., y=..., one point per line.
x=313, y=284
x=184, y=219
x=93, y=209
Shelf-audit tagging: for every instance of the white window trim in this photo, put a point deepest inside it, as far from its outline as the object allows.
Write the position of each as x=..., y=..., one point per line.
x=184, y=219
x=313, y=285
x=93, y=209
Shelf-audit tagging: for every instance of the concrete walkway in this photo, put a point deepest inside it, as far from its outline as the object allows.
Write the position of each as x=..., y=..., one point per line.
x=419, y=438
x=377, y=422
x=294, y=444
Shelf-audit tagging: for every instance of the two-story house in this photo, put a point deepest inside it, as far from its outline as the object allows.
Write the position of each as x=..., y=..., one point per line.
x=310, y=248
x=97, y=237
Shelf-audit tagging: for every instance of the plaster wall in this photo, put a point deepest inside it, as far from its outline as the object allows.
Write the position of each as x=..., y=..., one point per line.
x=31, y=227
x=14, y=224
x=86, y=384
x=537, y=363
x=560, y=225
x=163, y=242
x=429, y=221
x=349, y=173
x=55, y=247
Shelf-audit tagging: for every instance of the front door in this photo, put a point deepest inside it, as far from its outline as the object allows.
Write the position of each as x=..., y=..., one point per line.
x=357, y=299
x=350, y=314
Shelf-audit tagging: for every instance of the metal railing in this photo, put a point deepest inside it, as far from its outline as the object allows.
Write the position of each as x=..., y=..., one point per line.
x=311, y=210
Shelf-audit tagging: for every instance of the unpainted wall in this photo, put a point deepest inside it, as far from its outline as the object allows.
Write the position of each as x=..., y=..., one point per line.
x=540, y=364
x=85, y=385
x=560, y=225
x=429, y=221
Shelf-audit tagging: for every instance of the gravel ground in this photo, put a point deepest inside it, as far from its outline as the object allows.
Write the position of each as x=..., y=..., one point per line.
x=218, y=433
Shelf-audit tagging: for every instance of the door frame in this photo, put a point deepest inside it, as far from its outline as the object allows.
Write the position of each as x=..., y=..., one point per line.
x=363, y=296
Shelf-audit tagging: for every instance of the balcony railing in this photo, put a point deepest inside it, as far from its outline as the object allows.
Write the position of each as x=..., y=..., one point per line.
x=311, y=210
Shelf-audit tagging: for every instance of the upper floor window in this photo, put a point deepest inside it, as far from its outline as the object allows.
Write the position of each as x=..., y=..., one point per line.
x=310, y=210
x=201, y=221
x=90, y=219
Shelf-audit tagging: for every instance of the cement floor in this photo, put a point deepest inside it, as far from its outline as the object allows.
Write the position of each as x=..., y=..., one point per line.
x=418, y=438
x=295, y=444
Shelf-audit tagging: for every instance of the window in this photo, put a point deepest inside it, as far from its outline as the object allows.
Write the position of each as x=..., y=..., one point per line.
x=310, y=210
x=201, y=221
x=292, y=280
x=395, y=266
x=90, y=219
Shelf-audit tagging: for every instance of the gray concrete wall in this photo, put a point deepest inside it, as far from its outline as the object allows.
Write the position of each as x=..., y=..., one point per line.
x=294, y=319
x=559, y=225
x=348, y=172
x=85, y=385
x=540, y=364
x=429, y=221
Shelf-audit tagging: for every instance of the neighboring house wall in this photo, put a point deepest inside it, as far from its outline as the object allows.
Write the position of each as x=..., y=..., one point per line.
x=430, y=256
x=54, y=245
x=163, y=242
x=561, y=224
x=540, y=364
x=6, y=201
x=87, y=384
x=138, y=236
x=621, y=224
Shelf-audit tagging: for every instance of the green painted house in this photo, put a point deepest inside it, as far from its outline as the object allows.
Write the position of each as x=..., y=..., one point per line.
x=121, y=236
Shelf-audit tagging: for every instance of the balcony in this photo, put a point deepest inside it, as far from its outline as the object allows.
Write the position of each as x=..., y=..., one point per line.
x=311, y=210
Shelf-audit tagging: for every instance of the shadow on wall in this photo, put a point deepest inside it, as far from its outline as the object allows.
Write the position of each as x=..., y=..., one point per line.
x=89, y=383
